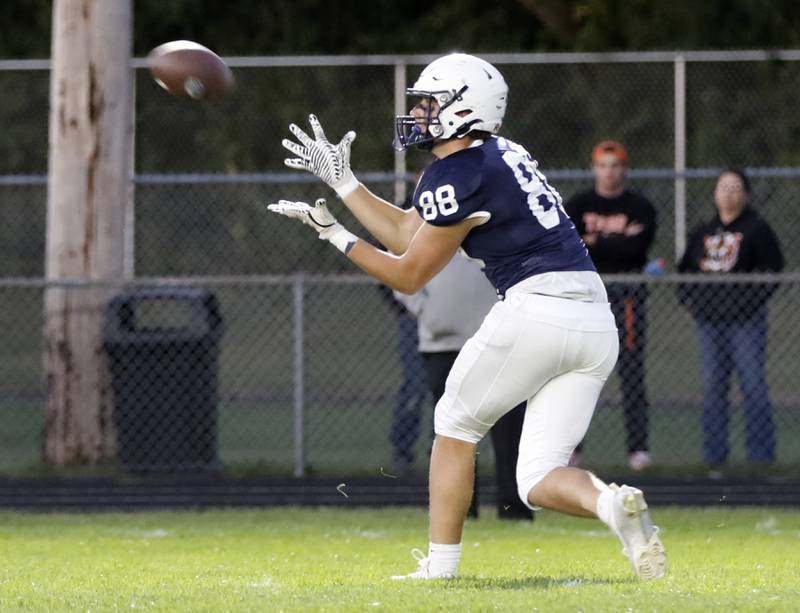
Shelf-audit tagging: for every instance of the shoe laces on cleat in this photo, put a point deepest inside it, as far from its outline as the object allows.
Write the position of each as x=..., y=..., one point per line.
x=423, y=568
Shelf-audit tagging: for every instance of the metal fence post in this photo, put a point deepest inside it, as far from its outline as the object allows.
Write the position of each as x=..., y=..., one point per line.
x=399, y=109
x=129, y=221
x=680, y=155
x=298, y=292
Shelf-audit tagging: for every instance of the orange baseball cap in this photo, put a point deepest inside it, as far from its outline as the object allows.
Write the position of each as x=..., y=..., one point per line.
x=610, y=146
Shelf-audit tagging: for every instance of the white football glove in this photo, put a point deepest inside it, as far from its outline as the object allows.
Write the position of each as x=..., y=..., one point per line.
x=319, y=218
x=329, y=162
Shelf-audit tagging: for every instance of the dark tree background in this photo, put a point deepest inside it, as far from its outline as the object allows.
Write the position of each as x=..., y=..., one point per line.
x=248, y=27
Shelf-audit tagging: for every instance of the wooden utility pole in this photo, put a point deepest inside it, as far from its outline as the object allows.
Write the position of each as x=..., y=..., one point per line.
x=89, y=192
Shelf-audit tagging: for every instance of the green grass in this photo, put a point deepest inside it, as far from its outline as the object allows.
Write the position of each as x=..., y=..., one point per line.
x=339, y=560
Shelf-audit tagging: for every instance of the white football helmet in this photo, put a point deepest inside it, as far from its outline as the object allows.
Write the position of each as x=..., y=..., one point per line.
x=471, y=94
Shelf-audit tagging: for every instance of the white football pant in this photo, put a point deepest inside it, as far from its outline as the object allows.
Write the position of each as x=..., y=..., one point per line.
x=556, y=353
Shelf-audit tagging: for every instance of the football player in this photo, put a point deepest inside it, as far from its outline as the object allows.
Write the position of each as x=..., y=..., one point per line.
x=551, y=340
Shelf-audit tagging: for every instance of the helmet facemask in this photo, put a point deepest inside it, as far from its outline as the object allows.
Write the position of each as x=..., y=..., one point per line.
x=407, y=127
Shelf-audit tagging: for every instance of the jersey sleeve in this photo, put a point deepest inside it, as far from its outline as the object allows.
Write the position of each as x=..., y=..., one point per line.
x=450, y=191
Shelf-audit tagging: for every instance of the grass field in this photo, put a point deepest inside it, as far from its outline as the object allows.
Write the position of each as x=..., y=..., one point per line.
x=339, y=560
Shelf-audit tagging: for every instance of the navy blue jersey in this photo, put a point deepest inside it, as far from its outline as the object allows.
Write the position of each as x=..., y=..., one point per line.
x=528, y=232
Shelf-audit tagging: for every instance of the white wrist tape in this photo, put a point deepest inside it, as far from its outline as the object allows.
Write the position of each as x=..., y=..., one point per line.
x=348, y=185
x=339, y=237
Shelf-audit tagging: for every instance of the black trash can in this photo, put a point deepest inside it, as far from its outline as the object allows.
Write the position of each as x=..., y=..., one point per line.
x=163, y=348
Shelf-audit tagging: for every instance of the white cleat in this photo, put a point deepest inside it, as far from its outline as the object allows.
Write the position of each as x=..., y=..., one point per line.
x=631, y=522
x=423, y=569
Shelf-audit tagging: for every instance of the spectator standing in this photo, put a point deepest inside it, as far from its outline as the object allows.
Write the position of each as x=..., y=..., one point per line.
x=449, y=310
x=731, y=318
x=618, y=227
x=412, y=394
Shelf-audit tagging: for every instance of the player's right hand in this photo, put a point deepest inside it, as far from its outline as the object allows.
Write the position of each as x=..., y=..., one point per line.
x=329, y=162
x=319, y=218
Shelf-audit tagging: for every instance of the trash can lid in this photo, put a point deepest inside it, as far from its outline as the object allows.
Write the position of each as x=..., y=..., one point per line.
x=162, y=312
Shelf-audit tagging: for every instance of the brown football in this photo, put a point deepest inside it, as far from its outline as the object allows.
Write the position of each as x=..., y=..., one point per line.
x=185, y=68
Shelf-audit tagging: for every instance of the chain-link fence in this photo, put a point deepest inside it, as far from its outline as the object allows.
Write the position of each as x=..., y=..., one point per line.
x=244, y=343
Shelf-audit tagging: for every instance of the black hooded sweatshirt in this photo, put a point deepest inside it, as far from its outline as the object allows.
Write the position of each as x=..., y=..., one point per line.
x=747, y=244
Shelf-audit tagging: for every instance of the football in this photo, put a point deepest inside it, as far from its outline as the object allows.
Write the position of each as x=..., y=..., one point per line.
x=188, y=69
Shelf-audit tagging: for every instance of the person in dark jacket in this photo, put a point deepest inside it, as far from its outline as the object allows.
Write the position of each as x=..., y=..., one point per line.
x=731, y=318
x=618, y=227
x=413, y=394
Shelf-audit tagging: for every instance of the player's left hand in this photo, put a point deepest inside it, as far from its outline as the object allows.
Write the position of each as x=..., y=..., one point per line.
x=319, y=218
x=329, y=162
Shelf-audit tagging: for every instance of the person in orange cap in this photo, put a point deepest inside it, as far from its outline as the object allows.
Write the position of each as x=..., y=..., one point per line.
x=618, y=227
